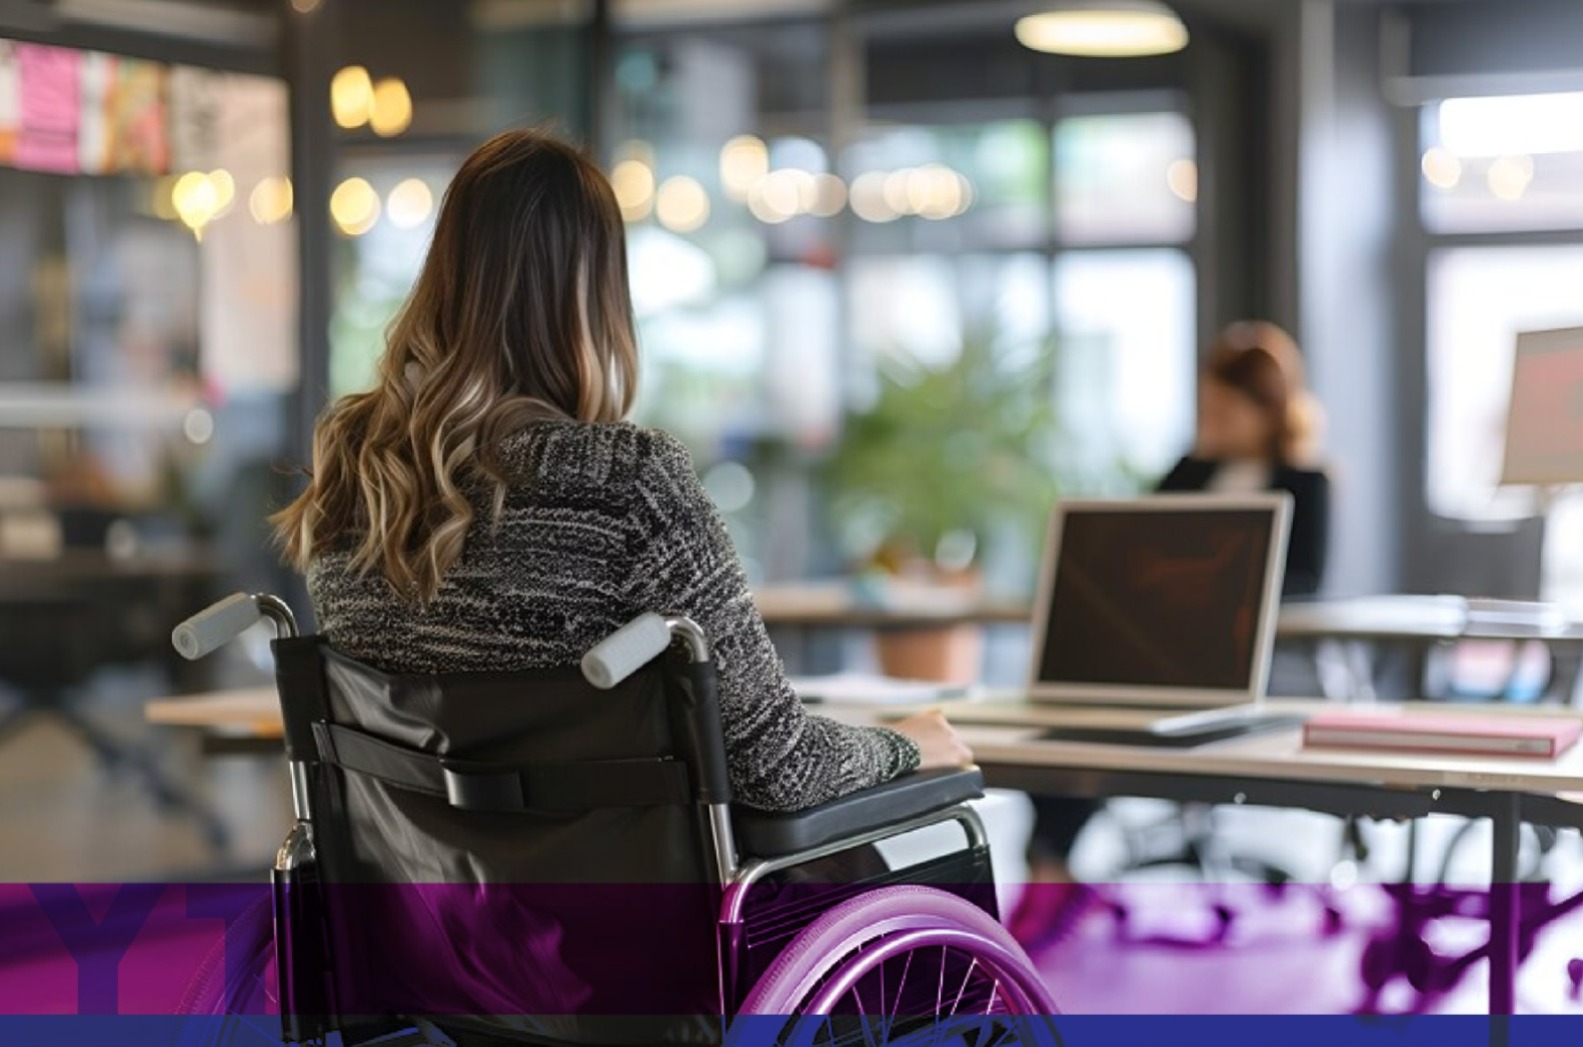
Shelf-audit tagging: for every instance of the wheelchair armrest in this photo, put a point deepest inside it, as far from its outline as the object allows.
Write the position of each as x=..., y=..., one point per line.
x=768, y=834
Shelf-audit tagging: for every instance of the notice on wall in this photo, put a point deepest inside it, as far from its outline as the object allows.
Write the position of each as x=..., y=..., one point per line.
x=97, y=80
x=51, y=109
x=192, y=116
x=138, y=140
x=86, y=112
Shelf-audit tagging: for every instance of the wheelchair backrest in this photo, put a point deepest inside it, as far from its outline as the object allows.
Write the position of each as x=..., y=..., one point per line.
x=504, y=843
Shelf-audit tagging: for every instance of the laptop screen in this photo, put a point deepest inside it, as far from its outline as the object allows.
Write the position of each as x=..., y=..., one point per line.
x=1158, y=597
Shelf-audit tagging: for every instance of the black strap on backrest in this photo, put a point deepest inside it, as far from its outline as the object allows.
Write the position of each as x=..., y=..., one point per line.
x=473, y=785
x=696, y=718
x=299, y=679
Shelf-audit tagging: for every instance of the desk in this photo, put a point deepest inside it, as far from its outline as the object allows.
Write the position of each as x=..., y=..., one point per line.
x=1270, y=769
x=1340, y=633
x=1384, y=618
x=824, y=605
x=1419, y=623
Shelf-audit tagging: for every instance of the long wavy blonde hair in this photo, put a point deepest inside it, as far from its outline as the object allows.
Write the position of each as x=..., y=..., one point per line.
x=521, y=313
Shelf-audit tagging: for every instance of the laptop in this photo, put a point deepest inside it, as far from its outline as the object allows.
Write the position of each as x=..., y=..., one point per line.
x=1168, y=601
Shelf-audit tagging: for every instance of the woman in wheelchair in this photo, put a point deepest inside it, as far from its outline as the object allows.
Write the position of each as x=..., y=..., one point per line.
x=484, y=506
x=482, y=832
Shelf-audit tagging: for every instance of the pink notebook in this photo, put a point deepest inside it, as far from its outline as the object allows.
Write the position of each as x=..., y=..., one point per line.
x=1486, y=735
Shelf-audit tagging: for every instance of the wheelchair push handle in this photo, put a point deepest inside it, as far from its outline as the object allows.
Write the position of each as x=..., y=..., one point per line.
x=220, y=623
x=626, y=650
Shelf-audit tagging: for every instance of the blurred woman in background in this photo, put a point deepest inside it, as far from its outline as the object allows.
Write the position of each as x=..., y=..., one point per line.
x=1258, y=429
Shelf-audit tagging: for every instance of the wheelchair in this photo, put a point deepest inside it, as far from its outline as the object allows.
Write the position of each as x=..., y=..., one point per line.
x=552, y=857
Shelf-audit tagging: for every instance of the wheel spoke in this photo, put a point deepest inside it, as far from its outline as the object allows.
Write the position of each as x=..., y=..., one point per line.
x=939, y=999
x=862, y=1015
x=966, y=979
x=900, y=990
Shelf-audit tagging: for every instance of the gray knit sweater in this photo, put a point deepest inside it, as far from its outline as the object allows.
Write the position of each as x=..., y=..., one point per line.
x=601, y=523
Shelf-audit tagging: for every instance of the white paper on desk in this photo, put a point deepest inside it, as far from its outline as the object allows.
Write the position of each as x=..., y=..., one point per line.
x=873, y=689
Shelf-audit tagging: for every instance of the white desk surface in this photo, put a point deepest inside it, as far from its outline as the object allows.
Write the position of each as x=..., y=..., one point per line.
x=1423, y=618
x=1388, y=617
x=1003, y=732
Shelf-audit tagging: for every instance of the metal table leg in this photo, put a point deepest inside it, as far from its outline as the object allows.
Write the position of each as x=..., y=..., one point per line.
x=1505, y=913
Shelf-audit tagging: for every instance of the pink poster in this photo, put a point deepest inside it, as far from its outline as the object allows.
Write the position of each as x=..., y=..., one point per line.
x=50, y=109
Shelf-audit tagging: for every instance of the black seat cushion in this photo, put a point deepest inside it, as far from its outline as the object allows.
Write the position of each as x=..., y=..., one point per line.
x=767, y=834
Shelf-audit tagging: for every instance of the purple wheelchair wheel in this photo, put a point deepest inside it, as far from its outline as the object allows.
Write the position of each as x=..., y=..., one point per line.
x=904, y=964
x=233, y=1008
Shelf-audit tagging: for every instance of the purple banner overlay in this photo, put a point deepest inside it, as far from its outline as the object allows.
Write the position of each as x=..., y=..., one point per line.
x=757, y=1031
x=126, y=952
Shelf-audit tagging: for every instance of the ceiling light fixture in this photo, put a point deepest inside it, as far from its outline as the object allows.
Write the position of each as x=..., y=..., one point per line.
x=1103, y=29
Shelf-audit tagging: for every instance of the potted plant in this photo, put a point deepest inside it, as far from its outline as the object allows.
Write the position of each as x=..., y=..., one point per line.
x=947, y=463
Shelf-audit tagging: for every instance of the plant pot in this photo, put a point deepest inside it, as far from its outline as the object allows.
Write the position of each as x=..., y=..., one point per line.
x=946, y=653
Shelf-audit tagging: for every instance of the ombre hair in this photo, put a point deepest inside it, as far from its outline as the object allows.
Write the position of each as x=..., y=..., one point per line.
x=521, y=313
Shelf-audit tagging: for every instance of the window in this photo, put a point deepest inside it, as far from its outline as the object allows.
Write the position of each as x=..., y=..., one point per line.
x=1126, y=362
x=1501, y=197
x=1479, y=299
x=1125, y=178
x=1508, y=163
x=385, y=232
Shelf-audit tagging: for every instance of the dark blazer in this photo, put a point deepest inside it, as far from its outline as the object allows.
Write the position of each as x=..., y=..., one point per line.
x=1310, y=538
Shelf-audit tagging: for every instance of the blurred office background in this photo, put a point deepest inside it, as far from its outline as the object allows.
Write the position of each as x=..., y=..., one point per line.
x=873, y=237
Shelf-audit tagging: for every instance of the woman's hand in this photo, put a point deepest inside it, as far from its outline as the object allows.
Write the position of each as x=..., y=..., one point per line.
x=937, y=740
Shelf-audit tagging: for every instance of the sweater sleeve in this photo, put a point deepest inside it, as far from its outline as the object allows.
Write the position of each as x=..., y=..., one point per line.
x=780, y=756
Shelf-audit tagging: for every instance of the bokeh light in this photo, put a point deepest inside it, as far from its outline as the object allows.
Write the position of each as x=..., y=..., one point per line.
x=224, y=191
x=681, y=204
x=410, y=203
x=198, y=426
x=354, y=206
x=1181, y=177
x=829, y=196
x=351, y=97
x=868, y=198
x=633, y=182
x=1508, y=176
x=1442, y=168
x=730, y=486
x=270, y=201
x=391, y=112
x=743, y=161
